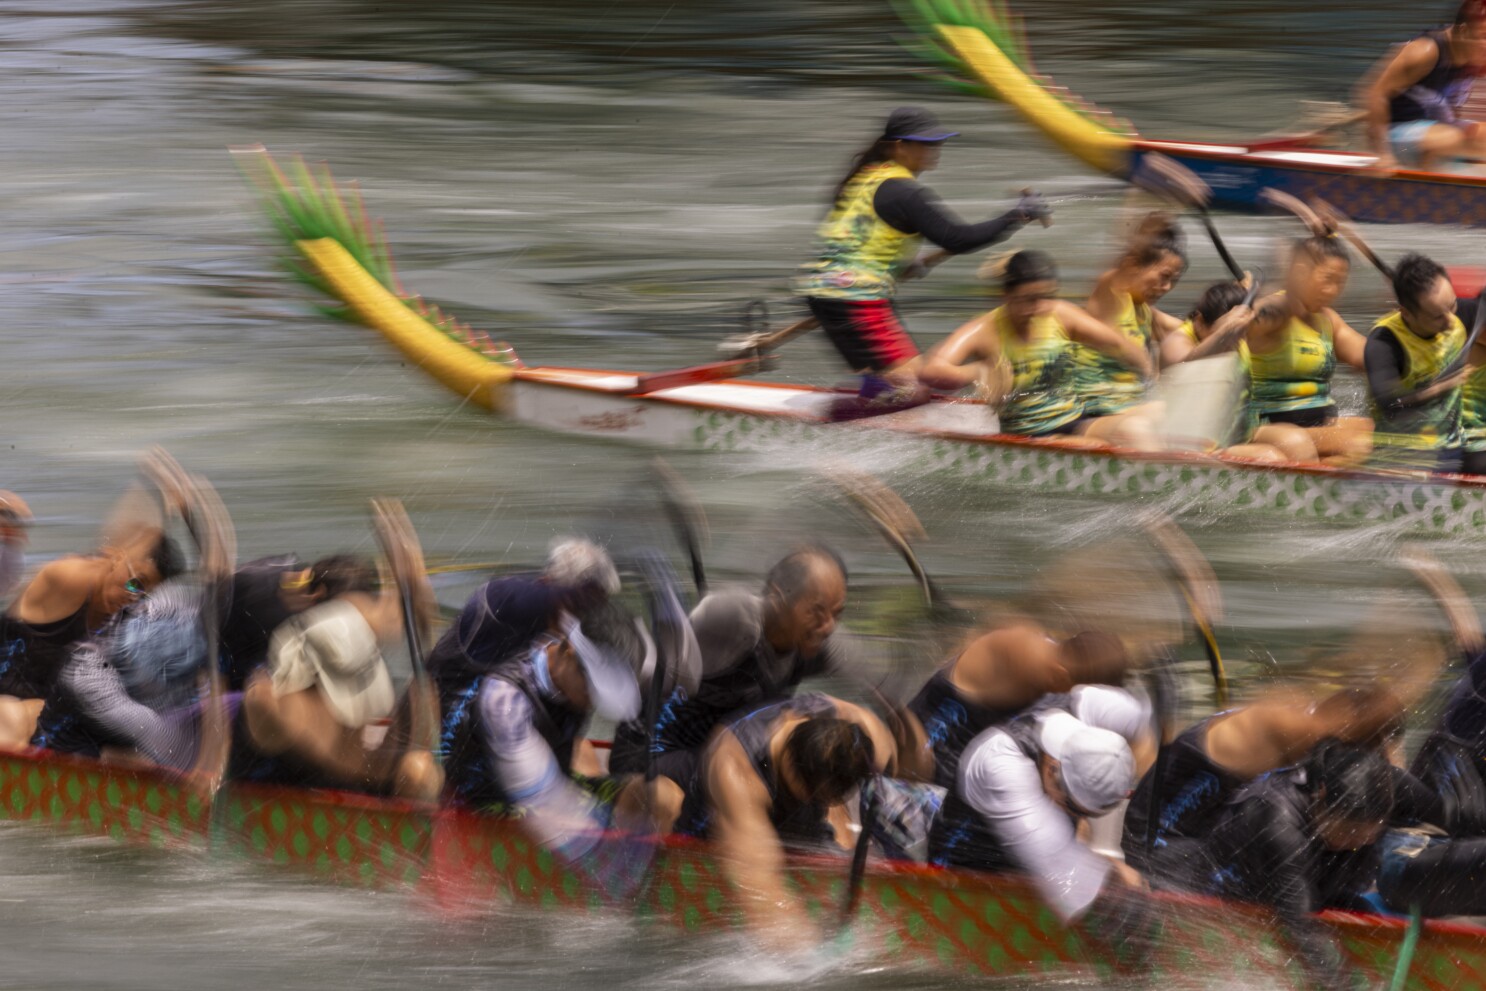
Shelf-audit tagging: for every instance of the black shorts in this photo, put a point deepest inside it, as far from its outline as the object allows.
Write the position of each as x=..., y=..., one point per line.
x=868, y=333
x=1316, y=416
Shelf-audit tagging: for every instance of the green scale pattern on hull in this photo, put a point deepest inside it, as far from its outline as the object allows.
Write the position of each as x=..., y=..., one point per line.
x=907, y=915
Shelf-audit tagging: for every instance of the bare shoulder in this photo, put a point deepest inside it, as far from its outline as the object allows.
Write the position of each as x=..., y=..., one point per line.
x=732, y=787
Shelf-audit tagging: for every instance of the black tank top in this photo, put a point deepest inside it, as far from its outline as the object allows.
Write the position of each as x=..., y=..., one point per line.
x=1440, y=94
x=960, y=836
x=32, y=654
x=1193, y=790
x=793, y=820
x=951, y=722
x=470, y=779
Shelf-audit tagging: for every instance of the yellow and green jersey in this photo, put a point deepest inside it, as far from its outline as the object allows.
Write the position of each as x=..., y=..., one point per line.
x=1105, y=383
x=859, y=253
x=1430, y=426
x=1297, y=374
x=1042, y=397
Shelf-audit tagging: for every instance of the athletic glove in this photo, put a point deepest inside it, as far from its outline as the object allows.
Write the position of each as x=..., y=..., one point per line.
x=1033, y=207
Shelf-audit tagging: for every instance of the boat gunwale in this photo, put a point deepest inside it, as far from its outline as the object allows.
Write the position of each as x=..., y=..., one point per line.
x=1193, y=458
x=1341, y=920
x=1257, y=159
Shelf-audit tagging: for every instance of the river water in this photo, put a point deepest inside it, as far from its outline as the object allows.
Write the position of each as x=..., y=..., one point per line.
x=600, y=183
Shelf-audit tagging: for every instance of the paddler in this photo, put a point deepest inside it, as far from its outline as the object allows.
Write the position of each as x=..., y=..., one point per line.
x=1125, y=298
x=1215, y=327
x=1416, y=405
x=1017, y=804
x=133, y=687
x=879, y=214
x=68, y=599
x=266, y=593
x=756, y=648
x=1023, y=353
x=769, y=778
x=1295, y=342
x=1304, y=839
x=511, y=731
x=305, y=715
x=1414, y=103
x=998, y=676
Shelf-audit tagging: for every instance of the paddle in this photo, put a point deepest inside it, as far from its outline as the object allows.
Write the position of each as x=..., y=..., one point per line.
x=399, y=543
x=210, y=528
x=758, y=344
x=1197, y=586
x=687, y=518
x=1162, y=677
x=1169, y=179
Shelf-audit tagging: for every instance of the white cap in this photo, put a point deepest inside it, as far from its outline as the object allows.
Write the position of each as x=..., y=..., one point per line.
x=1097, y=766
x=331, y=645
x=612, y=688
x=573, y=562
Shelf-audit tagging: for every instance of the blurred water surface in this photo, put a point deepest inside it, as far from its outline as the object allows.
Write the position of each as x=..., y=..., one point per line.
x=601, y=183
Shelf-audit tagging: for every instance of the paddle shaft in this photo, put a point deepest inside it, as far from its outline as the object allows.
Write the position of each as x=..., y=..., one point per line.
x=1234, y=268
x=784, y=334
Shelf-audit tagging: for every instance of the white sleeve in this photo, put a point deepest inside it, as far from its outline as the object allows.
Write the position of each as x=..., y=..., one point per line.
x=1003, y=784
x=555, y=809
x=1113, y=709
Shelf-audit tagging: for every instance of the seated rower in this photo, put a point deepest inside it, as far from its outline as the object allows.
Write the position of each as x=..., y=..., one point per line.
x=1016, y=806
x=997, y=677
x=510, y=735
x=878, y=216
x=305, y=714
x=772, y=777
x=1416, y=406
x=1211, y=761
x=267, y=592
x=1022, y=354
x=133, y=687
x=1295, y=341
x=1125, y=298
x=755, y=648
x=65, y=601
x=1217, y=327
x=1413, y=104
x=1305, y=839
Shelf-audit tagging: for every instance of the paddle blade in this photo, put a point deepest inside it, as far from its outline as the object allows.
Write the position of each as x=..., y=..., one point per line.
x=1169, y=179
x=1281, y=200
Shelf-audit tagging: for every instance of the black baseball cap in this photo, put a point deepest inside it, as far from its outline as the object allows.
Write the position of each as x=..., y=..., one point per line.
x=915, y=124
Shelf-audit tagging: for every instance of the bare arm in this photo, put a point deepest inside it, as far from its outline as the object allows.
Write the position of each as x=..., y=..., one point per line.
x=1012, y=667
x=1350, y=344
x=750, y=850
x=1086, y=328
x=960, y=358
x=1407, y=67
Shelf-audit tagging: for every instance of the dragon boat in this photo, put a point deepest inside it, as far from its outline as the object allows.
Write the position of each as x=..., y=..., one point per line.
x=336, y=250
x=907, y=916
x=983, y=47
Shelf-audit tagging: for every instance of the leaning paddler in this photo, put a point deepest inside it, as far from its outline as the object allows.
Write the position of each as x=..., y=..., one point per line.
x=1414, y=103
x=1295, y=342
x=1216, y=327
x=879, y=215
x=1125, y=298
x=1019, y=798
x=756, y=648
x=305, y=715
x=1303, y=839
x=1022, y=355
x=773, y=777
x=1416, y=396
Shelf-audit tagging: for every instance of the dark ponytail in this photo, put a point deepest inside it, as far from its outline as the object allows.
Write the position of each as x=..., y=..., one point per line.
x=1351, y=783
x=877, y=151
x=1216, y=300
x=1157, y=236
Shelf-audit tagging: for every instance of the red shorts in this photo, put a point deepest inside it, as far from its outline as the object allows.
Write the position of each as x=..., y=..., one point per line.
x=868, y=333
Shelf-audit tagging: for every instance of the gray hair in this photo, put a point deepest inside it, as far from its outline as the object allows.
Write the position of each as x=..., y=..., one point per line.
x=576, y=562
